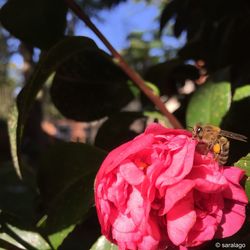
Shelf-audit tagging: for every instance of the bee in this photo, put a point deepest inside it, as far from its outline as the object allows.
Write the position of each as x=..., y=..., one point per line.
x=214, y=139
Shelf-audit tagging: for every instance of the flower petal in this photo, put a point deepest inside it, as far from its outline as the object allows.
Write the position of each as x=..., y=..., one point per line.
x=232, y=219
x=207, y=180
x=176, y=192
x=181, y=165
x=233, y=174
x=180, y=220
x=131, y=173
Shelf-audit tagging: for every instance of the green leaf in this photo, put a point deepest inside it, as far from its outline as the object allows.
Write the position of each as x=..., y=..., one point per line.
x=47, y=65
x=39, y=23
x=118, y=129
x=103, y=244
x=17, y=199
x=244, y=163
x=12, y=131
x=66, y=179
x=23, y=238
x=209, y=104
x=241, y=93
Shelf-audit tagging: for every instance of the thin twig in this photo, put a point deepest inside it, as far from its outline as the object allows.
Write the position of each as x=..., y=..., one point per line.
x=135, y=77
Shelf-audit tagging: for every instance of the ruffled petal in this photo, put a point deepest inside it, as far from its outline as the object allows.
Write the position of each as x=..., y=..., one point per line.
x=175, y=193
x=234, y=215
x=233, y=174
x=207, y=180
x=180, y=166
x=131, y=173
x=180, y=219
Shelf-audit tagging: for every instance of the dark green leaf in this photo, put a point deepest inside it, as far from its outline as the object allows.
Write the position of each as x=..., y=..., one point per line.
x=66, y=179
x=103, y=244
x=209, y=104
x=168, y=12
x=244, y=163
x=90, y=86
x=84, y=234
x=170, y=75
x=17, y=200
x=119, y=129
x=40, y=23
x=237, y=120
x=47, y=65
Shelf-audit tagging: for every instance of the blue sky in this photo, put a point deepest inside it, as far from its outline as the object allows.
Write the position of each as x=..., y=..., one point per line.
x=118, y=22
x=121, y=20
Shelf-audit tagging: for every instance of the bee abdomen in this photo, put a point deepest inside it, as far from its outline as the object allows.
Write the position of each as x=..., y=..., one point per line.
x=224, y=151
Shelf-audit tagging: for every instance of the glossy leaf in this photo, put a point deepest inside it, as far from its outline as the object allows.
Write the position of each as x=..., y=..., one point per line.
x=244, y=163
x=39, y=23
x=103, y=244
x=66, y=179
x=23, y=238
x=47, y=65
x=241, y=93
x=209, y=104
x=90, y=86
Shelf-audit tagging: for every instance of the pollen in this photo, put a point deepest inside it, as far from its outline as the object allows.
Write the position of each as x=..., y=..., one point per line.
x=216, y=148
x=140, y=164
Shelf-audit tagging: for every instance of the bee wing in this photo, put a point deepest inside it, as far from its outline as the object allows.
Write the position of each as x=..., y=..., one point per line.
x=234, y=136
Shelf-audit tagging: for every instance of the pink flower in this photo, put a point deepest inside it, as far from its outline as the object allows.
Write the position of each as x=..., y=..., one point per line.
x=156, y=191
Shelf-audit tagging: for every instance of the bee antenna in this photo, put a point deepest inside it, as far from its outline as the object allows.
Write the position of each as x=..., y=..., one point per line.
x=190, y=127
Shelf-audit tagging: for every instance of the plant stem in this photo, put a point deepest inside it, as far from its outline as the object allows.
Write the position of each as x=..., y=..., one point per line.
x=135, y=77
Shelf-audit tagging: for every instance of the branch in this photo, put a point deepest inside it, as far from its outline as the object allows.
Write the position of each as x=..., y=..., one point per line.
x=135, y=77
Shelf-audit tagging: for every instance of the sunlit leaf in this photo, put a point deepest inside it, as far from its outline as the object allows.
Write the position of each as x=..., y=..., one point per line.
x=209, y=104
x=241, y=93
x=103, y=244
x=23, y=238
x=244, y=163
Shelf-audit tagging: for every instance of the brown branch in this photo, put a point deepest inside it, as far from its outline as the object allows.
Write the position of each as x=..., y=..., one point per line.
x=135, y=77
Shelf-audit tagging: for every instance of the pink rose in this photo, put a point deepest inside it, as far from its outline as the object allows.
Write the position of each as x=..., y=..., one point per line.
x=156, y=191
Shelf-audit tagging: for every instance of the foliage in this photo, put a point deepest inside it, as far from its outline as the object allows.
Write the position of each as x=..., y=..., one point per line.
x=46, y=193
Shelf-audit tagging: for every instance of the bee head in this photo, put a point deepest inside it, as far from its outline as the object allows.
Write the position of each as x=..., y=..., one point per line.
x=198, y=131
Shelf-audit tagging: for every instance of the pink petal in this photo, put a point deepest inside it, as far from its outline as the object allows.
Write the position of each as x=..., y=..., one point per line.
x=176, y=192
x=232, y=219
x=135, y=207
x=180, y=220
x=119, y=154
x=124, y=224
x=235, y=192
x=207, y=180
x=203, y=230
x=233, y=174
x=158, y=129
x=182, y=163
x=149, y=243
x=131, y=173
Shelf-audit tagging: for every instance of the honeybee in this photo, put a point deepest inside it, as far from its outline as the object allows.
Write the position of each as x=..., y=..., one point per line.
x=214, y=139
